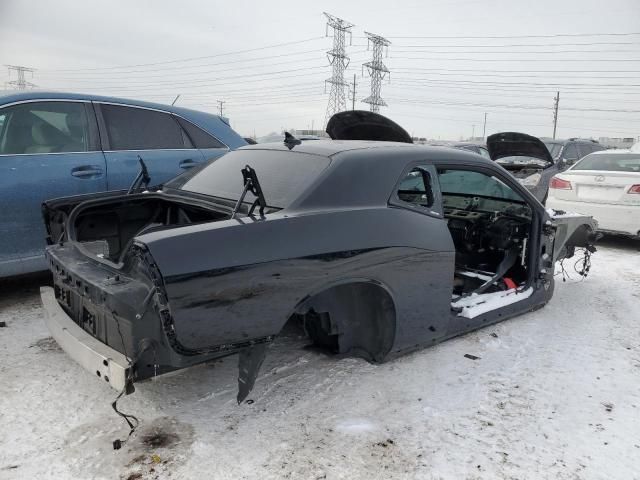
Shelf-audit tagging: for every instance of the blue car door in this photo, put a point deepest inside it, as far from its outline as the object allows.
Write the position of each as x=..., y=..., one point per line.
x=48, y=149
x=131, y=132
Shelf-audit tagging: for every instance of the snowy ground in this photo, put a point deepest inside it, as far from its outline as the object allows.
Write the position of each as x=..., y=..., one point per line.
x=554, y=394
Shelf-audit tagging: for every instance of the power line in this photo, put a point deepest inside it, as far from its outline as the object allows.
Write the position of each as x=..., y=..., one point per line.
x=209, y=81
x=180, y=69
x=519, y=52
x=277, y=45
x=464, y=59
x=510, y=45
x=556, y=35
x=533, y=83
x=518, y=106
x=339, y=60
x=377, y=71
x=499, y=74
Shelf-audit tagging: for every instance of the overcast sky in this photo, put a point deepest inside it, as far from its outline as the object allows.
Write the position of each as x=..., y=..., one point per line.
x=447, y=66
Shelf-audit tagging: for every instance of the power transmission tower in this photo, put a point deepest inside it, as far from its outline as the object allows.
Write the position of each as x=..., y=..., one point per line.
x=20, y=83
x=377, y=70
x=556, y=102
x=339, y=60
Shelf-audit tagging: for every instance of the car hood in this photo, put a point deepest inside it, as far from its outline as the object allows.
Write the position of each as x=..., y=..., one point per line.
x=514, y=144
x=364, y=125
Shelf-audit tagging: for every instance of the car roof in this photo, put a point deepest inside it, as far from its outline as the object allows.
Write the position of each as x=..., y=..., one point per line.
x=327, y=148
x=13, y=96
x=393, y=152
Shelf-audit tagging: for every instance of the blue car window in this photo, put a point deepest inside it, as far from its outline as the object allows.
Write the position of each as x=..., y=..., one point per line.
x=44, y=127
x=199, y=138
x=130, y=128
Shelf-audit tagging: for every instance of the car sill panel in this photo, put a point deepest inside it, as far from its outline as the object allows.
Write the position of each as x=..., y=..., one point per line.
x=96, y=357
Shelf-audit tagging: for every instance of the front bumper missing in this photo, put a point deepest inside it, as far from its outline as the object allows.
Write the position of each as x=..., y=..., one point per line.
x=96, y=357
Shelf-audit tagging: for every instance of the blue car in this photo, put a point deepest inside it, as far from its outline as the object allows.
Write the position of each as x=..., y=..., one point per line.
x=56, y=144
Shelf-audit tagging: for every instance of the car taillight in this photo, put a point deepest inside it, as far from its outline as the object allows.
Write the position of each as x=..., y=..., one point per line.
x=560, y=184
x=634, y=189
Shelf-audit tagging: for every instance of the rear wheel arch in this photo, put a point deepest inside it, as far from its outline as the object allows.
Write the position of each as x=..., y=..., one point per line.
x=356, y=318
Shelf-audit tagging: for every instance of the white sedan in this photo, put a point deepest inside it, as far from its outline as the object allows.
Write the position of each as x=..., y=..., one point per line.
x=605, y=185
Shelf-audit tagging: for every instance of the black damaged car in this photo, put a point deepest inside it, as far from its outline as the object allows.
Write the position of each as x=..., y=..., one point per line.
x=379, y=247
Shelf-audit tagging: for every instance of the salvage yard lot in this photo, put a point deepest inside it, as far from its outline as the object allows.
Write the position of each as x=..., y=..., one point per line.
x=553, y=394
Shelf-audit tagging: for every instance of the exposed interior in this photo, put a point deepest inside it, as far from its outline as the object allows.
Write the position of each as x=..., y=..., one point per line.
x=108, y=229
x=490, y=226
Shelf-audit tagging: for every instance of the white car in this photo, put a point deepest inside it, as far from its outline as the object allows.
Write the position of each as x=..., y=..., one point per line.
x=605, y=185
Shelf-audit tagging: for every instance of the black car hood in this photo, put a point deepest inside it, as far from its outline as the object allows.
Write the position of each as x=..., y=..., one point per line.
x=514, y=144
x=364, y=125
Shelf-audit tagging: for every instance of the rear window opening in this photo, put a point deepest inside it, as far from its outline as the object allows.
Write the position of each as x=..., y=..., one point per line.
x=283, y=177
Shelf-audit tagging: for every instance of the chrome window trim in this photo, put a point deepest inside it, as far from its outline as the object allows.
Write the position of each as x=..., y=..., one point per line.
x=50, y=153
x=161, y=149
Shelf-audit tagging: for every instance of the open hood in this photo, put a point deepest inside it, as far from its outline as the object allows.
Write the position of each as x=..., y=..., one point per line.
x=514, y=144
x=364, y=125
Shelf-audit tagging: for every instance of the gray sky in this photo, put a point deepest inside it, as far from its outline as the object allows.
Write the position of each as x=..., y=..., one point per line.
x=439, y=87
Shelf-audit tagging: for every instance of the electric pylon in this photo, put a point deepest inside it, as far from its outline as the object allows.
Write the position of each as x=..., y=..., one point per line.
x=377, y=70
x=339, y=60
x=21, y=82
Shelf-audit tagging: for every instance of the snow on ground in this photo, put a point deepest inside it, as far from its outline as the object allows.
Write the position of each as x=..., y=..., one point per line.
x=554, y=394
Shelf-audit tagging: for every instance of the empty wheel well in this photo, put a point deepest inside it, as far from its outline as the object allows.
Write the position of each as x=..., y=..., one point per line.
x=357, y=318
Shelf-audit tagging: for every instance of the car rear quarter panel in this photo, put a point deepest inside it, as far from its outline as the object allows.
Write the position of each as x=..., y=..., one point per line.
x=242, y=279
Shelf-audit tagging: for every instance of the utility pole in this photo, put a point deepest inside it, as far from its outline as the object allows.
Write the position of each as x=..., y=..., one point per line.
x=20, y=83
x=484, y=127
x=473, y=132
x=556, y=102
x=339, y=60
x=353, y=93
x=377, y=70
x=221, y=106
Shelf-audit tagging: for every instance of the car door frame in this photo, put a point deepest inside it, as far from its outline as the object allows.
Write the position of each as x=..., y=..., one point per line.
x=435, y=213
x=27, y=264
x=540, y=238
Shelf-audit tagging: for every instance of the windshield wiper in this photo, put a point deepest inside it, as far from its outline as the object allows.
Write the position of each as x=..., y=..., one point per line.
x=251, y=184
x=142, y=178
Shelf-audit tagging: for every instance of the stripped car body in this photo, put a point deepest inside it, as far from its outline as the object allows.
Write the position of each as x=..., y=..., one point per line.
x=368, y=243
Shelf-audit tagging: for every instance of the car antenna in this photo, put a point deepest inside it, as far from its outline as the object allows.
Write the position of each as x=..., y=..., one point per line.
x=142, y=178
x=290, y=141
x=251, y=184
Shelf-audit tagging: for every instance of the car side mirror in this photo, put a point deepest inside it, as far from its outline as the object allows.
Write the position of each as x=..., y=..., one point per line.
x=561, y=164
